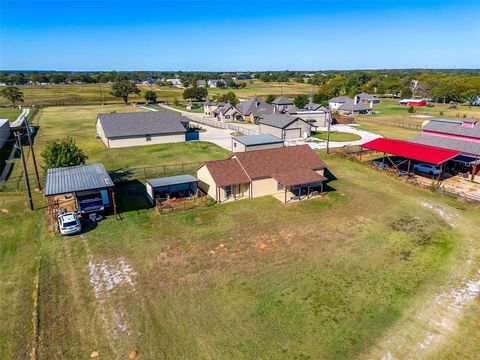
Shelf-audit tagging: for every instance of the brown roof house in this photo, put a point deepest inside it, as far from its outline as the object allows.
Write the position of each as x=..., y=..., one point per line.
x=287, y=173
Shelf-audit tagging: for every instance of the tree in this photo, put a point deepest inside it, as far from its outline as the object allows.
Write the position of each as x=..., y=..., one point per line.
x=406, y=93
x=62, y=153
x=150, y=96
x=123, y=88
x=229, y=97
x=13, y=94
x=270, y=99
x=196, y=94
x=300, y=101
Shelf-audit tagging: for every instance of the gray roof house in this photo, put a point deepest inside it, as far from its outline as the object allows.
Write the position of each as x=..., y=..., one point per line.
x=350, y=108
x=141, y=128
x=254, y=108
x=201, y=83
x=284, y=126
x=365, y=98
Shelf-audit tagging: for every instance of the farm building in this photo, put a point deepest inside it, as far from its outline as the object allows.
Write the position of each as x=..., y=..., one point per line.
x=285, y=126
x=181, y=186
x=287, y=173
x=413, y=102
x=118, y=130
x=462, y=136
x=255, y=142
x=410, y=152
x=86, y=188
x=4, y=131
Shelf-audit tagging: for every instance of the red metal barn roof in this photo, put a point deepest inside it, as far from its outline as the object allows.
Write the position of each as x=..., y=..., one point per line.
x=429, y=154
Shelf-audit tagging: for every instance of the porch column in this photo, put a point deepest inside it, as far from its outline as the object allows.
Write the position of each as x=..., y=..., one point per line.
x=285, y=194
x=308, y=191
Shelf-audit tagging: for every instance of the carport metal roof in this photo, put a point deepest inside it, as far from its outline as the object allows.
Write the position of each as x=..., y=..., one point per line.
x=424, y=153
x=172, y=180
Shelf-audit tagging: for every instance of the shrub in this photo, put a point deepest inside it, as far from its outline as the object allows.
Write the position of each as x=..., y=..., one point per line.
x=411, y=109
x=62, y=153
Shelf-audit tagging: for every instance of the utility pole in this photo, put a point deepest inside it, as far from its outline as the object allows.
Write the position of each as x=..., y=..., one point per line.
x=329, y=120
x=25, y=172
x=39, y=184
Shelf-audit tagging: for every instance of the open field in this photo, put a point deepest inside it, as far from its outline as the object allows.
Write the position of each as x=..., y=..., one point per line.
x=228, y=281
x=90, y=94
x=9, y=113
x=390, y=110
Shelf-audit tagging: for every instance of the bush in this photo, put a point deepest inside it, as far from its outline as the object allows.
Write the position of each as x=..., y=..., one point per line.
x=411, y=109
x=63, y=153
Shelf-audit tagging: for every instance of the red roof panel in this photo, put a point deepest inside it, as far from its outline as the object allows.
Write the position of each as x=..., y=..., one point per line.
x=429, y=154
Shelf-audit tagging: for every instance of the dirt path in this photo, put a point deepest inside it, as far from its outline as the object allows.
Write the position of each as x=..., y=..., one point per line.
x=434, y=317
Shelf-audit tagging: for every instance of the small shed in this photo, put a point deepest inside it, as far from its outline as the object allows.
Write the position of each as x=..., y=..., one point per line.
x=181, y=186
x=84, y=188
x=255, y=142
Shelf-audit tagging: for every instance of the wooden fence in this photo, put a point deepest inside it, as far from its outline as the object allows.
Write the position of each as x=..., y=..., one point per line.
x=165, y=206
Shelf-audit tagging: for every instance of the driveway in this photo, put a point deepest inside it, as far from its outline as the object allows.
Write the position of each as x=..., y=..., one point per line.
x=220, y=137
x=366, y=136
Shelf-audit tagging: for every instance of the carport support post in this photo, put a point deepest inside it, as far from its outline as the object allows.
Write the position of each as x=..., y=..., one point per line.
x=39, y=184
x=408, y=168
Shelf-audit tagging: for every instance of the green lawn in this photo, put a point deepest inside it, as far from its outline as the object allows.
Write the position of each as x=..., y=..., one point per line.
x=323, y=278
x=9, y=113
x=337, y=136
x=388, y=131
x=180, y=107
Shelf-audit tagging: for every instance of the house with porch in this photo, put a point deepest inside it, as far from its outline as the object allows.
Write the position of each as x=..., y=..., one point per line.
x=287, y=173
x=253, y=109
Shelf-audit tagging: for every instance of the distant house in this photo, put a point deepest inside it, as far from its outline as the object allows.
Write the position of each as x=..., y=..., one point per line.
x=350, y=108
x=283, y=105
x=253, y=109
x=255, y=142
x=286, y=173
x=118, y=130
x=201, y=83
x=366, y=99
x=413, y=102
x=228, y=112
x=175, y=82
x=338, y=101
x=210, y=108
x=4, y=131
x=86, y=188
x=213, y=83
x=243, y=77
x=315, y=114
x=285, y=126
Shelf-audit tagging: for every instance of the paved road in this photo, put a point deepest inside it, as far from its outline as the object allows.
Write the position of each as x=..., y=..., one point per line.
x=220, y=137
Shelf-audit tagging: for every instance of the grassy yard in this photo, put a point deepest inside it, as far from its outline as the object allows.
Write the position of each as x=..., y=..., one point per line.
x=387, y=130
x=318, y=279
x=9, y=113
x=337, y=136
x=79, y=122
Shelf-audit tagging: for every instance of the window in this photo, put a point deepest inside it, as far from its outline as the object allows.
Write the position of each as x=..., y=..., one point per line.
x=227, y=116
x=229, y=191
x=280, y=186
x=234, y=144
x=148, y=137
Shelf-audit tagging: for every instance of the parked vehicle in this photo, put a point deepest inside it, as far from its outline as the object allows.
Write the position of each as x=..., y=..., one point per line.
x=69, y=224
x=379, y=164
x=426, y=168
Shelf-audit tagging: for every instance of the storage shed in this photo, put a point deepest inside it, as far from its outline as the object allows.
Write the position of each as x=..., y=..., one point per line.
x=181, y=186
x=84, y=188
x=255, y=142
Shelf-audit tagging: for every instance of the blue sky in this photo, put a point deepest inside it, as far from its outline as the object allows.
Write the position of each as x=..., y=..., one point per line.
x=238, y=35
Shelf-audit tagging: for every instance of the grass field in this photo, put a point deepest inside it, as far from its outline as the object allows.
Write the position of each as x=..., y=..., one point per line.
x=91, y=94
x=390, y=110
x=9, y=113
x=387, y=130
x=227, y=281
x=337, y=136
